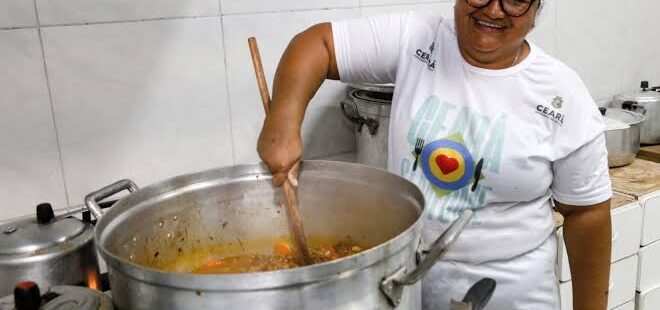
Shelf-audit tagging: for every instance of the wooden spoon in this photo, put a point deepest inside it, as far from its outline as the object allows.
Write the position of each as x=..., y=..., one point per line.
x=289, y=192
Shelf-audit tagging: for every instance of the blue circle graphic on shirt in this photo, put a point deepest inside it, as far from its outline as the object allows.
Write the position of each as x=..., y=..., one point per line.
x=447, y=164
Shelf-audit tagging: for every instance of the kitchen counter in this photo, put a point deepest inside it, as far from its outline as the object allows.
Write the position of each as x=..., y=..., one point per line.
x=650, y=153
x=640, y=178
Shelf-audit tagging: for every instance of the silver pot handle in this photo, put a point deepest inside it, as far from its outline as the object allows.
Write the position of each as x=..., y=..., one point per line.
x=358, y=120
x=392, y=286
x=92, y=199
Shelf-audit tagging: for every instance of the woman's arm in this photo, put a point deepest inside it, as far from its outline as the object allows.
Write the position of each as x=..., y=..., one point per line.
x=588, y=238
x=307, y=62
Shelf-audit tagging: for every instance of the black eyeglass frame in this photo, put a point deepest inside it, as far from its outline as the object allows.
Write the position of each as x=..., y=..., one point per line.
x=502, y=6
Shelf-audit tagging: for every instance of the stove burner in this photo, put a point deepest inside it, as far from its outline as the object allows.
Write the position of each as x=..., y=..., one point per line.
x=27, y=296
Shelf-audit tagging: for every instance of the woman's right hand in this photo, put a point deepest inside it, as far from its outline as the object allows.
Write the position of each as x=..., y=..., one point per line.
x=280, y=148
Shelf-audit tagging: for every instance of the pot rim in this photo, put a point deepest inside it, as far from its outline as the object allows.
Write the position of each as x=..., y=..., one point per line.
x=639, y=118
x=343, y=267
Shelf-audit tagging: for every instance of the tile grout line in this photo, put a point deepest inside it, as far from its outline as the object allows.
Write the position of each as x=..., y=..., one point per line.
x=224, y=60
x=127, y=21
x=50, y=100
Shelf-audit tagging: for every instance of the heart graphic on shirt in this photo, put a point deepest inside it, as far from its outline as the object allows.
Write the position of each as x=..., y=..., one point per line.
x=446, y=164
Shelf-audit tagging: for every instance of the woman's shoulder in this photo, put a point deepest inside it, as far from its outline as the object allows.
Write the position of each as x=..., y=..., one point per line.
x=561, y=71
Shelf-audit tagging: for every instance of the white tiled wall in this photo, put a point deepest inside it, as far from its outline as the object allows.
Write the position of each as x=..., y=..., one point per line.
x=17, y=13
x=92, y=91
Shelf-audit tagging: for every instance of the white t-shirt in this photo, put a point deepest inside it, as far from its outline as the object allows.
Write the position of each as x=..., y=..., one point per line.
x=535, y=126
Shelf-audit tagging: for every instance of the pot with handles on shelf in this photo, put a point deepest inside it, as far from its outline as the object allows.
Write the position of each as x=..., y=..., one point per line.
x=646, y=101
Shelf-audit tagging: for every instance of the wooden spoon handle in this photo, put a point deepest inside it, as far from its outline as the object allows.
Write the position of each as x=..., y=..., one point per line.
x=259, y=72
x=296, y=221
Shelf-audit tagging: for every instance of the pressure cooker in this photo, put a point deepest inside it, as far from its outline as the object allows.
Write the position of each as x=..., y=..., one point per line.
x=646, y=101
x=47, y=250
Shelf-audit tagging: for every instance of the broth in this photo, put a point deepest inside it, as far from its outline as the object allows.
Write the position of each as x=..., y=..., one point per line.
x=283, y=256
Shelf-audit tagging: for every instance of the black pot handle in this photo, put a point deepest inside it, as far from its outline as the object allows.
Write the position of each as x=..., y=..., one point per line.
x=633, y=106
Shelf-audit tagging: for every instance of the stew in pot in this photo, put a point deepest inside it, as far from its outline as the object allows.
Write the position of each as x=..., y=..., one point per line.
x=283, y=257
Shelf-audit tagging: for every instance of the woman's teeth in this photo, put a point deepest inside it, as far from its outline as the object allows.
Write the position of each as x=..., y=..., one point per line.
x=487, y=24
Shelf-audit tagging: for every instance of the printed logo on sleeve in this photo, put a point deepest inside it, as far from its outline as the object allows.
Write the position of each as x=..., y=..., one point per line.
x=426, y=56
x=552, y=114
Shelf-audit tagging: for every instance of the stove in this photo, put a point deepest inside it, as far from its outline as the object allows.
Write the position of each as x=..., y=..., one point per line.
x=28, y=296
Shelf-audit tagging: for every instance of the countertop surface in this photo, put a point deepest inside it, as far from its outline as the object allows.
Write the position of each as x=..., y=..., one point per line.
x=640, y=178
x=650, y=153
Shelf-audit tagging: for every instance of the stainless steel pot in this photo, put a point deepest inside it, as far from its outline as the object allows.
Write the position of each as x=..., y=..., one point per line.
x=368, y=107
x=646, y=101
x=48, y=251
x=160, y=222
x=622, y=139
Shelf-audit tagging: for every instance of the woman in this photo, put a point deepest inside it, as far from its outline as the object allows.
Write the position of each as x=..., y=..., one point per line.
x=507, y=130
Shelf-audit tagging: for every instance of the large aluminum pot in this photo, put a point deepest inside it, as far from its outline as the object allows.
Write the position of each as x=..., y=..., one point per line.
x=368, y=108
x=48, y=251
x=622, y=135
x=646, y=101
x=158, y=223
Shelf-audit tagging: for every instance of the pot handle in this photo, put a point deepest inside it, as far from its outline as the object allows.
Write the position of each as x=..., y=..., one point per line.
x=392, y=286
x=633, y=106
x=92, y=199
x=358, y=120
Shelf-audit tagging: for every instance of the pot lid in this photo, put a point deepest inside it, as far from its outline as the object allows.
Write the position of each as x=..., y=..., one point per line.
x=34, y=234
x=620, y=119
x=380, y=88
x=372, y=97
x=643, y=94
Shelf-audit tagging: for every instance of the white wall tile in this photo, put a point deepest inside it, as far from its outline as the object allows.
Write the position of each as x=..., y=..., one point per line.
x=641, y=48
x=58, y=12
x=144, y=100
x=255, y=6
x=398, y=2
x=544, y=33
x=590, y=36
x=30, y=172
x=445, y=9
x=246, y=108
x=17, y=13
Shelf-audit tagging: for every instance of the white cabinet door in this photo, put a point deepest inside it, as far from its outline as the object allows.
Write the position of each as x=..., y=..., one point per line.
x=649, y=300
x=623, y=275
x=626, y=235
x=648, y=276
x=651, y=208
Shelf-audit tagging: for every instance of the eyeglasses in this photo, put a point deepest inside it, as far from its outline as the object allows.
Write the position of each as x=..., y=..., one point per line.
x=513, y=8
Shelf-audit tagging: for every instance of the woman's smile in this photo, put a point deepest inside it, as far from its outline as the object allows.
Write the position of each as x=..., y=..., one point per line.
x=488, y=26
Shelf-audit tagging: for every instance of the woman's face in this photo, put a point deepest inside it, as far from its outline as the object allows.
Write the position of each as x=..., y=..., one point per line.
x=488, y=35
